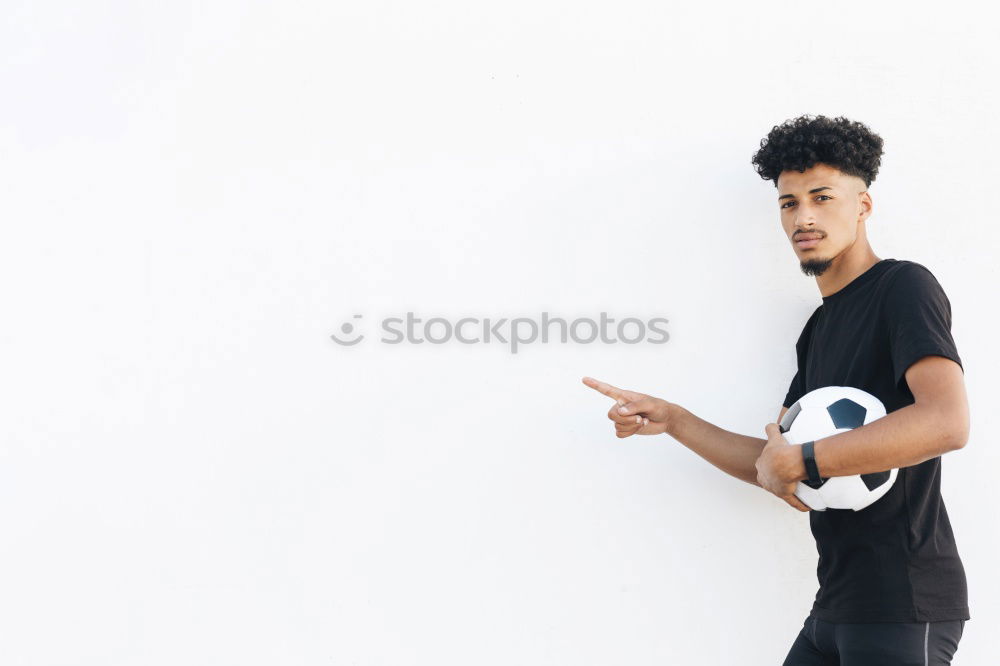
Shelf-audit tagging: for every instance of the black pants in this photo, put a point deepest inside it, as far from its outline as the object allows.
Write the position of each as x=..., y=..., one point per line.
x=875, y=644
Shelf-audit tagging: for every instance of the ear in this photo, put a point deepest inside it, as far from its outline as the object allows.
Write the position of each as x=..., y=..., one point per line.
x=865, y=205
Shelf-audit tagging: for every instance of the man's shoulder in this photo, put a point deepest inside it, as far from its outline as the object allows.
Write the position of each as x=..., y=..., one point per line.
x=807, y=328
x=906, y=265
x=903, y=272
x=909, y=284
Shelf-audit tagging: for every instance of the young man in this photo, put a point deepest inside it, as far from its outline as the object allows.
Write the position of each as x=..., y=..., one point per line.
x=892, y=588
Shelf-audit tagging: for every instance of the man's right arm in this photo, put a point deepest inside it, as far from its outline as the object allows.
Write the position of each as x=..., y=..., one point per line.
x=731, y=452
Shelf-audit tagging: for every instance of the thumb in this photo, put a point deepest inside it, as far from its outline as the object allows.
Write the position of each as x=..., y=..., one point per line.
x=772, y=430
x=636, y=407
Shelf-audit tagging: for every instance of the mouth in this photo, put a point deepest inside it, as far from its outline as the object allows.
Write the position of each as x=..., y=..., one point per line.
x=806, y=243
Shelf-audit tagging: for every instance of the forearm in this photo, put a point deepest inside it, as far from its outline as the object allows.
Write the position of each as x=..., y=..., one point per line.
x=733, y=453
x=907, y=436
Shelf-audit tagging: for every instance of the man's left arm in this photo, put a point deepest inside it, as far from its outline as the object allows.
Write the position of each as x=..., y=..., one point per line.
x=937, y=422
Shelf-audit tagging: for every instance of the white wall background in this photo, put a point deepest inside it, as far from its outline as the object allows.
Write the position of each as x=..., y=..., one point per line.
x=194, y=196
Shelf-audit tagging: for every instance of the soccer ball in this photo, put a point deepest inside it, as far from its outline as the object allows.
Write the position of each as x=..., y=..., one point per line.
x=825, y=412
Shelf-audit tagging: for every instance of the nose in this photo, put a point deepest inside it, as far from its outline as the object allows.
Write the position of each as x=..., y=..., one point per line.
x=805, y=223
x=804, y=218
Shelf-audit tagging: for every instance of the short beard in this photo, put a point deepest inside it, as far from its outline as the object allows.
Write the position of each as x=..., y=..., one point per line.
x=815, y=266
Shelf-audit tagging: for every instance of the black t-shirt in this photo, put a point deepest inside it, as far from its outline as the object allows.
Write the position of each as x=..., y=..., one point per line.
x=895, y=560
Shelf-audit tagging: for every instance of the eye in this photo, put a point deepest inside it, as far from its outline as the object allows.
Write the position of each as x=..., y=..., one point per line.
x=825, y=196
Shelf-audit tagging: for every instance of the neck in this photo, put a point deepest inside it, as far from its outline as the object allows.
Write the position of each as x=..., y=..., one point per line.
x=845, y=269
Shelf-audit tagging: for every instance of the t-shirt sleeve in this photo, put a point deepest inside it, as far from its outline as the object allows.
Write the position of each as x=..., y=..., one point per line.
x=918, y=316
x=797, y=388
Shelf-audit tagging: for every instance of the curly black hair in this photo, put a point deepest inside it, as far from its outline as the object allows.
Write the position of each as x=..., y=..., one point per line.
x=800, y=143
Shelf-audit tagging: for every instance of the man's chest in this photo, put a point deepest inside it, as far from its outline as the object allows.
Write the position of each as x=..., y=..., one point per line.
x=850, y=347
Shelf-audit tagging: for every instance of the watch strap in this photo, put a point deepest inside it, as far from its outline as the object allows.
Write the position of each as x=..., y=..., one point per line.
x=809, y=458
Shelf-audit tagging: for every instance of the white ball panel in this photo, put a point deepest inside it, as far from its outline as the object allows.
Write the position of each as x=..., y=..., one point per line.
x=811, y=497
x=844, y=492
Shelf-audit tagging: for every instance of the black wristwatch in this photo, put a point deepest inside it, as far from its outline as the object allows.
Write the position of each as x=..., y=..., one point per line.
x=809, y=457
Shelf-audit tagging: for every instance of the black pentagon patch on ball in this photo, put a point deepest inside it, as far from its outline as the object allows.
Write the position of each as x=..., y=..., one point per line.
x=847, y=414
x=875, y=479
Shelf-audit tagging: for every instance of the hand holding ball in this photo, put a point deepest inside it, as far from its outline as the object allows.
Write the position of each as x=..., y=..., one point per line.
x=825, y=412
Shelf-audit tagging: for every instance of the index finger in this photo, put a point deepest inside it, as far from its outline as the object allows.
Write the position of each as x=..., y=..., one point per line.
x=606, y=389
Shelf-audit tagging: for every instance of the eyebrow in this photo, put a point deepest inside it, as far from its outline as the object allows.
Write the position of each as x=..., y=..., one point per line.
x=817, y=189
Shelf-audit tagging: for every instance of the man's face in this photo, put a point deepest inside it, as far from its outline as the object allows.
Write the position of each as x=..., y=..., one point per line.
x=825, y=204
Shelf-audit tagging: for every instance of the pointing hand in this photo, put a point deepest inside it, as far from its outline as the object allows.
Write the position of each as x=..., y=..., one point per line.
x=634, y=413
